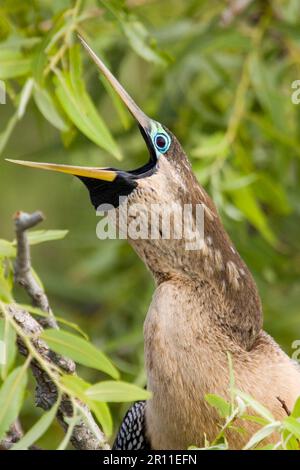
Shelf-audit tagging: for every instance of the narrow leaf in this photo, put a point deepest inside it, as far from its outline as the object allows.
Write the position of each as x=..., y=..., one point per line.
x=262, y=434
x=13, y=64
x=37, y=430
x=48, y=108
x=245, y=200
x=292, y=425
x=72, y=422
x=7, y=249
x=111, y=391
x=11, y=398
x=40, y=236
x=219, y=403
x=296, y=410
x=7, y=348
x=79, y=107
x=6, y=133
x=79, y=350
x=77, y=388
x=260, y=409
x=25, y=97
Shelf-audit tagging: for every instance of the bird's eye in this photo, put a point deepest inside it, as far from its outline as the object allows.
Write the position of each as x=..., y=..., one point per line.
x=162, y=142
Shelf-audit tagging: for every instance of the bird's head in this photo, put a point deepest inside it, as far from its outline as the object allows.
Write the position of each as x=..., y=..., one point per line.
x=165, y=179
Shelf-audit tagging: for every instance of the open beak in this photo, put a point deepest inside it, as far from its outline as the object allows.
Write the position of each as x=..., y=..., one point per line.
x=106, y=174
x=85, y=171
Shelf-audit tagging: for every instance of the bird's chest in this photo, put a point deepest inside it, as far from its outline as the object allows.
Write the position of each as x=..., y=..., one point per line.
x=177, y=359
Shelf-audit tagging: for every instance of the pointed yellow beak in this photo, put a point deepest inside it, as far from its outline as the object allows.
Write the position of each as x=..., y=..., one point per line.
x=88, y=172
x=92, y=172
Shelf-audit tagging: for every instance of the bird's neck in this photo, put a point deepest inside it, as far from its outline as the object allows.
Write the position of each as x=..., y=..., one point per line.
x=216, y=272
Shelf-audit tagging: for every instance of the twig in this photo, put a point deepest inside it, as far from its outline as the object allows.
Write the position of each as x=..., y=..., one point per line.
x=235, y=8
x=86, y=434
x=23, y=271
x=14, y=435
x=284, y=405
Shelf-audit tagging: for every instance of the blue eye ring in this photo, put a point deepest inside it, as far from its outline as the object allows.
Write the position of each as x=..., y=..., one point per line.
x=162, y=142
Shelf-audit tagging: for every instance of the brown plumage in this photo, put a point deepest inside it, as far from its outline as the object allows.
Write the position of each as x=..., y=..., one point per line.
x=205, y=304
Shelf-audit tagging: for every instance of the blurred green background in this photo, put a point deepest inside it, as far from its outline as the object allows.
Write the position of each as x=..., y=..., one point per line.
x=220, y=79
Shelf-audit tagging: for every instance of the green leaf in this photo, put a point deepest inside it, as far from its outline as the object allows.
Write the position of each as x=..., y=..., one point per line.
x=77, y=388
x=213, y=145
x=40, y=236
x=245, y=200
x=219, y=403
x=289, y=441
x=262, y=434
x=292, y=425
x=7, y=249
x=255, y=419
x=274, y=133
x=296, y=410
x=72, y=422
x=117, y=391
x=25, y=97
x=13, y=64
x=8, y=349
x=75, y=385
x=260, y=409
x=6, y=283
x=270, y=99
x=5, y=135
x=79, y=107
x=238, y=182
x=37, y=430
x=103, y=415
x=42, y=52
x=141, y=42
x=80, y=350
x=11, y=398
x=5, y=291
x=272, y=192
x=47, y=107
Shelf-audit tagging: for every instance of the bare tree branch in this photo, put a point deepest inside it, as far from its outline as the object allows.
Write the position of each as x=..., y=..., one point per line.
x=23, y=272
x=86, y=434
x=284, y=405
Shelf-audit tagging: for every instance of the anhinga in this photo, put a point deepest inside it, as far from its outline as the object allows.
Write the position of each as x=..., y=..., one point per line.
x=205, y=304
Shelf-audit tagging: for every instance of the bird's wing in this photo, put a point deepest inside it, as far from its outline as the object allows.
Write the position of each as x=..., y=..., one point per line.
x=132, y=432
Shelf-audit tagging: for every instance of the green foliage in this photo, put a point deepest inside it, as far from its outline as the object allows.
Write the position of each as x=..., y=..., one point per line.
x=11, y=397
x=118, y=392
x=225, y=91
x=37, y=430
x=40, y=236
x=8, y=339
x=81, y=350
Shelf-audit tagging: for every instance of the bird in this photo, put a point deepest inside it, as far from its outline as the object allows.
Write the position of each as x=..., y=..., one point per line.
x=205, y=305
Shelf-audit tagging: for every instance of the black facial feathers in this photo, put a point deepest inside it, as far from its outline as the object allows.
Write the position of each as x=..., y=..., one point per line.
x=108, y=192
